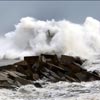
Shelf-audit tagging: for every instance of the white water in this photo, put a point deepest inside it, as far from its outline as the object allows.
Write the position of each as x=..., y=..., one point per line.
x=31, y=38
x=55, y=91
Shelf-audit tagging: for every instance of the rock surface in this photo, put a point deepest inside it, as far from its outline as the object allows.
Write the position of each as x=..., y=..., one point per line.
x=50, y=67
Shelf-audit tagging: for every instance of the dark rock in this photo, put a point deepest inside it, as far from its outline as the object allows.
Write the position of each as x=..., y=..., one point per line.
x=57, y=78
x=79, y=60
x=23, y=81
x=8, y=67
x=2, y=77
x=35, y=76
x=50, y=65
x=69, y=59
x=31, y=59
x=19, y=74
x=82, y=76
x=11, y=73
x=96, y=72
x=6, y=84
x=92, y=76
x=46, y=66
x=74, y=67
x=21, y=63
x=66, y=59
x=38, y=85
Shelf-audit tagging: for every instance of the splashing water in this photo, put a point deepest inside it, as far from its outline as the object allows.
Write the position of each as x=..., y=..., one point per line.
x=33, y=37
x=55, y=91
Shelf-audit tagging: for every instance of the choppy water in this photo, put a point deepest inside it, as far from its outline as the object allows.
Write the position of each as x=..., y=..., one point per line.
x=33, y=37
x=55, y=91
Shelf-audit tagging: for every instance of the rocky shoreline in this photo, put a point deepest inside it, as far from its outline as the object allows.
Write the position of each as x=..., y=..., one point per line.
x=50, y=67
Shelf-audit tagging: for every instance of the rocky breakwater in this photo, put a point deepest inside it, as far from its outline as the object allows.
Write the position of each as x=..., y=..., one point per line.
x=50, y=67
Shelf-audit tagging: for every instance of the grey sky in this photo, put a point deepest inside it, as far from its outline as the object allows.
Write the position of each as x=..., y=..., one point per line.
x=75, y=11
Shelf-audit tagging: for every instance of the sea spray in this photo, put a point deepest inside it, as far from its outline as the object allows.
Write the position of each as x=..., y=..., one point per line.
x=33, y=37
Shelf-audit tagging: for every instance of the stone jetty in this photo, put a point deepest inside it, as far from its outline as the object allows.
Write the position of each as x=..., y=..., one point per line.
x=50, y=67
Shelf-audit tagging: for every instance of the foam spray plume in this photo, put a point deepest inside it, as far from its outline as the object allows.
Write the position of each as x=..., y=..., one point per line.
x=33, y=37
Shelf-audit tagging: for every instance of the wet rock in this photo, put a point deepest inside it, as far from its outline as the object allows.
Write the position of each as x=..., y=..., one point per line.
x=50, y=67
x=23, y=81
x=66, y=59
x=31, y=60
x=35, y=76
x=38, y=85
x=69, y=59
x=79, y=60
x=3, y=77
x=82, y=76
x=92, y=76
x=96, y=72
x=74, y=67
x=6, y=84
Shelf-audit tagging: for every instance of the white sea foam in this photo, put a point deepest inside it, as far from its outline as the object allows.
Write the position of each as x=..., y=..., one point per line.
x=33, y=37
x=55, y=91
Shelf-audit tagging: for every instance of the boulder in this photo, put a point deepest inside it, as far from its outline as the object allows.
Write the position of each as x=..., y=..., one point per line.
x=50, y=67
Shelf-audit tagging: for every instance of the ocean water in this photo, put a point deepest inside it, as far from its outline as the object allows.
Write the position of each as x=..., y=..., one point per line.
x=33, y=37
x=56, y=91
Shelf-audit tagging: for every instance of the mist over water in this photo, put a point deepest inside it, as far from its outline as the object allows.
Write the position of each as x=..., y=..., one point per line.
x=33, y=37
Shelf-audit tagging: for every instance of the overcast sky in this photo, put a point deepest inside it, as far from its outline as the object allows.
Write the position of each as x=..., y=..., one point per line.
x=75, y=11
